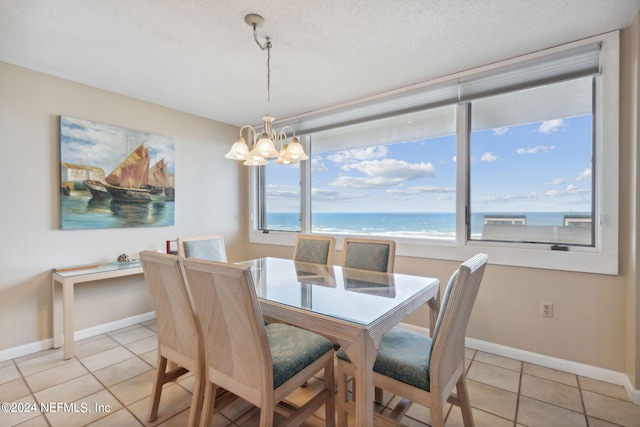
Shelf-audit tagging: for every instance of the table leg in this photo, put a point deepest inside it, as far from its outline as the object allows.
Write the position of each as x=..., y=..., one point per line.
x=363, y=355
x=56, y=296
x=67, y=304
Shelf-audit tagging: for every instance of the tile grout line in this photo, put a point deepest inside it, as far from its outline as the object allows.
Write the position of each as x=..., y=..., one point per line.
x=108, y=388
x=584, y=407
x=33, y=395
x=521, y=374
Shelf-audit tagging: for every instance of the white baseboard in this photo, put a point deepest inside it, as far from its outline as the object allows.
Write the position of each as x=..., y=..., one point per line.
x=112, y=326
x=589, y=371
x=23, y=350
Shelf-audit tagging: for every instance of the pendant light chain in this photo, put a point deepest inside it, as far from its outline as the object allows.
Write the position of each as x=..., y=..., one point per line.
x=267, y=47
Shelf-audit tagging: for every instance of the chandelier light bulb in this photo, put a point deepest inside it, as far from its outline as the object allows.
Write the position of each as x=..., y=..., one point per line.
x=265, y=147
x=295, y=150
x=239, y=150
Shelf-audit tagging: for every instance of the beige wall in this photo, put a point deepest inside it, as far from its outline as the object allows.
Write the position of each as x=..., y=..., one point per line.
x=209, y=190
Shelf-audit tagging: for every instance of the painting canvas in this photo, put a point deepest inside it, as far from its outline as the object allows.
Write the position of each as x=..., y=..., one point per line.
x=113, y=177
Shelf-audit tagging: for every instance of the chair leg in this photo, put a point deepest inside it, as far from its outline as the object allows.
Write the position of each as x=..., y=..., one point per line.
x=266, y=417
x=437, y=414
x=465, y=403
x=378, y=393
x=341, y=397
x=156, y=390
x=330, y=404
x=197, y=400
x=208, y=404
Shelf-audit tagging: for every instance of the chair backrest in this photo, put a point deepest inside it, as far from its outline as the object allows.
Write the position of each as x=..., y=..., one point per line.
x=369, y=254
x=314, y=249
x=178, y=328
x=209, y=247
x=447, y=349
x=237, y=353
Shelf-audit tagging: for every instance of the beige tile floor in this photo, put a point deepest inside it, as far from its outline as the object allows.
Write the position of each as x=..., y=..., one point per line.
x=108, y=383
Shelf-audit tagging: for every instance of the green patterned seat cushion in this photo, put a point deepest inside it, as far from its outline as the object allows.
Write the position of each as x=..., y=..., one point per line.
x=293, y=349
x=367, y=256
x=404, y=356
x=210, y=250
x=312, y=251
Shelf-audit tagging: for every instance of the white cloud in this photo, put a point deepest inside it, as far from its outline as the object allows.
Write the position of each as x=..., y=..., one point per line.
x=585, y=174
x=489, y=157
x=365, y=182
x=551, y=126
x=455, y=159
x=318, y=166
x=413, y=191
x=329, y=195
x=558, y=181
x=337, y=157
x=566, y=194
x=572, y=187
x=282, y=192
x=359, y=154
x=536, y=149
x=383, y=173
x=392, y=168
x=500, y=131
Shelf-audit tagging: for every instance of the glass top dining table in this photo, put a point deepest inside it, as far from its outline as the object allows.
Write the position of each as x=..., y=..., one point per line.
x=354, y=308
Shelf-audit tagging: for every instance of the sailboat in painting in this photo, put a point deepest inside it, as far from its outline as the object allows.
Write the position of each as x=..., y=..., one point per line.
x=96, y=188
x=129, y=181
x=159, y=179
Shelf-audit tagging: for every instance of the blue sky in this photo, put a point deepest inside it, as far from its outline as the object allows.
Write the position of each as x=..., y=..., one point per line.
x=543, y=167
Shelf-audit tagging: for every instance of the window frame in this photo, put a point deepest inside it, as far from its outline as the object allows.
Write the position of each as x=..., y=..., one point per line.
x=602, y=258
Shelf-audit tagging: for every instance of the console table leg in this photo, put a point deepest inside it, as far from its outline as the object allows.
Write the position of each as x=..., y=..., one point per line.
x=56, y=296
x=67, y=304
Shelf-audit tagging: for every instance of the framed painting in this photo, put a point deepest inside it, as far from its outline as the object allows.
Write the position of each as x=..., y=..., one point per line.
x=112, y=177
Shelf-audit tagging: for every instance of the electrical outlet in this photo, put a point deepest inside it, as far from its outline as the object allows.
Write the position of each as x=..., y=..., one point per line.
x=546, y=309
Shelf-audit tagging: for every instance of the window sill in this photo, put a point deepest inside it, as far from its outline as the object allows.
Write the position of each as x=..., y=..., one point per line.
x=576, y=259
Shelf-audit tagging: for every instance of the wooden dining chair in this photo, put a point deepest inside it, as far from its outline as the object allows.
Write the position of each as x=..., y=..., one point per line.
x=372, y=255
x=261, y=363
x=422, y=369
x=210, y=247
x=178, y=329
x=369, y=254
x=314, y=249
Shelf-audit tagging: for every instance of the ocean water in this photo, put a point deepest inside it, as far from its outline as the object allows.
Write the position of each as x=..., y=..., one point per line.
x=433, y=225
x=81, y=211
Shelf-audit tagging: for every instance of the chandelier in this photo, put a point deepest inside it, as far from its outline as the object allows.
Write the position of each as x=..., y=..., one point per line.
x=265, y=142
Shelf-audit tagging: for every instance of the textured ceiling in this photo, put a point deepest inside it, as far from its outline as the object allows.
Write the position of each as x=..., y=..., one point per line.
x=198, y=56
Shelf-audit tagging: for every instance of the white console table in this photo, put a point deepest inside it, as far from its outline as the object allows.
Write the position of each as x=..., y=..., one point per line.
x=63, y=281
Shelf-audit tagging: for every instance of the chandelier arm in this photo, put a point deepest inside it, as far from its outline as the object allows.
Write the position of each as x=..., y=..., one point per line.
x=293, y=131
x=255, y=134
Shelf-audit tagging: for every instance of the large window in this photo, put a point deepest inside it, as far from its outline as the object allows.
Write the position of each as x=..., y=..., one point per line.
x=280, y=197
x=518, y=160
x=531, y=171
x=393, y=177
